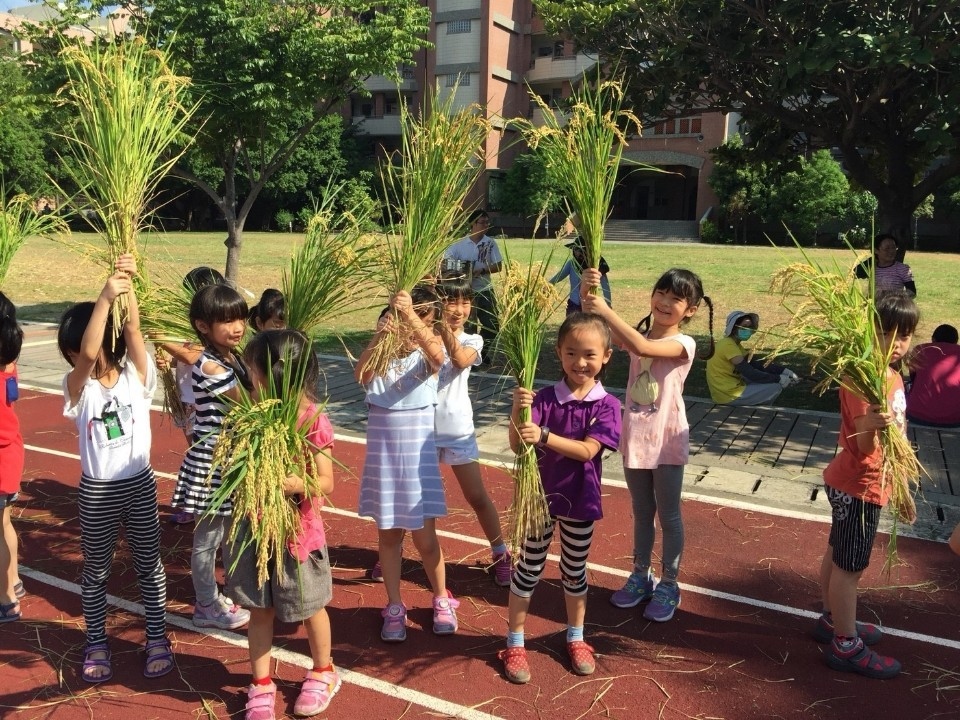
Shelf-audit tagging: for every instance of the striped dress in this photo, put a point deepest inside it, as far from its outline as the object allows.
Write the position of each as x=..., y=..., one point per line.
x=401, y=484
x=192, y=492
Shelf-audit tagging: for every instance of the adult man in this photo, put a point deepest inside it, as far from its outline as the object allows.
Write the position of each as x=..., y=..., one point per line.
x=482, y=252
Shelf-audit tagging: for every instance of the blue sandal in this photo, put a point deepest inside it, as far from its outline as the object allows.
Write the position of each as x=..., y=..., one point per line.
x=164, y=654
x=10, y=612
x=91, y=663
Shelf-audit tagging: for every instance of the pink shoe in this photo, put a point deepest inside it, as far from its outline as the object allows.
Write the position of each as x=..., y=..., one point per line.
x=394, y=623
x=445, y=615
x=316, y=693
x=261, y=700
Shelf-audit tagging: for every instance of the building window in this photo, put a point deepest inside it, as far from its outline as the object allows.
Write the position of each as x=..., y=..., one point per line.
x=558, y=48
x=391, y=106
x=695, y=126
x=463, y=78
x=407, y=72
x=458, y=27
x=545, y=51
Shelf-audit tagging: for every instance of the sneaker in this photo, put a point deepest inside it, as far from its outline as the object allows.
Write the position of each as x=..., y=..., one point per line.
x=502, y=569
x=581, y=657
x=861, y=660
x=316, y=693
x=261, y=700
x=639, y=588
x=445, y=615
x=666, y=600
x=376, y=572
x=394, y=623
x=823, y=631
x=219, y=614
x=515, y=666
x=181, y=518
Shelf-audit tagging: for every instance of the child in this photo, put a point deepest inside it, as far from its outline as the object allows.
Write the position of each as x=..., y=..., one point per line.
x=108, y=392
x=572, y=422
x=852, y=481
x=218, y=315
x=655, y=443
x=184, y=356
x=401, y=488
x=573, y=268
x=304, y=587
x=270, y=312
x=734, y=378
x=456, y=439
x=11, y=460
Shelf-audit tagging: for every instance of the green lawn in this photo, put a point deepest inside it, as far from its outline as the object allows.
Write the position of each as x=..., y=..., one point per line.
x=47, y=276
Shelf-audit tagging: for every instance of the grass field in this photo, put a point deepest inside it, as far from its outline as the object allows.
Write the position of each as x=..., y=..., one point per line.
x=47, y=276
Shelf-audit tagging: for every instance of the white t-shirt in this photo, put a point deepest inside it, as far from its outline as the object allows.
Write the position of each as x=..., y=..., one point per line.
x=185, y=383
x=114, y=423
x=454, y=417
x=481, y=254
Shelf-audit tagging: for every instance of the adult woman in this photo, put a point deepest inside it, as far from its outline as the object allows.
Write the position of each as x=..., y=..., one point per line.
x=890, y=273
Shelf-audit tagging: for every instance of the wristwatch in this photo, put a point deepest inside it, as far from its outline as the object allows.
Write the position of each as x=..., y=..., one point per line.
x=544, y=436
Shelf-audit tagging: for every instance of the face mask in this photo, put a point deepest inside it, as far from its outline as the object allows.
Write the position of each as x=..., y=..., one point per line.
x=745, y=333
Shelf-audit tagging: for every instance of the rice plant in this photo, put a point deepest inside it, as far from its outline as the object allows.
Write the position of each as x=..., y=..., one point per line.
x=834, y=320
x=129, y=114
x=525, y=302
x=327, y=273
x=425, y=189
x=19, y=219
x=583, y=146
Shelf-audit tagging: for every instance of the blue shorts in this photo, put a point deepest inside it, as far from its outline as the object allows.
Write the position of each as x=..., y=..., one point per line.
x=7, y=499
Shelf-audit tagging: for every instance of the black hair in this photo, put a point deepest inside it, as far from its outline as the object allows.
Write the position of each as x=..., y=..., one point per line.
x=216, y=303
x=687, y=285
x=879, y=238
x=200, y=277
x=454, y=286
x=425, y=299
x=897, y=312
x=11, y=334
x=73, y=324
x=285, y=358
x=272, y=305
x=942, y=334
x=478, y=213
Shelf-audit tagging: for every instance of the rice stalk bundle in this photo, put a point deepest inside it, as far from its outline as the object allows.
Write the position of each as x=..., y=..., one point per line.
x=260, y=444
x=583, y=146
x=20, y=220
x=835, y=321
x=326, y=274
x=172, y=402
x=165, y=310
x=525, y=302
x=129, y=113
x=425, y=187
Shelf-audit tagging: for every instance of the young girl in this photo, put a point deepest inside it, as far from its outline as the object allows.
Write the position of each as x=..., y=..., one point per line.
x=456, y=439
x=218, y=315
x=401, y=488
x=108, y=393
x=270, y=312
x=185, y=355
x=656, y=437
x=857, y=495
x=572, y=422
x=304, y=587
x=11, y=460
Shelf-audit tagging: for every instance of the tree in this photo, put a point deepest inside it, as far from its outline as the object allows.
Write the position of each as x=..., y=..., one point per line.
x=879, y=80
x=529, y=188
x=22, y=165
x=265, y=74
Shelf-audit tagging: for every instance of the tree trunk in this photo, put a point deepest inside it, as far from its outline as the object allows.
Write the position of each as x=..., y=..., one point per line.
x=896, y=218
x=234, y=243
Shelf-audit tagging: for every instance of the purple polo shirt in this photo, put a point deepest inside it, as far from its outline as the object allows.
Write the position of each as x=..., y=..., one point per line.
x=573, y=487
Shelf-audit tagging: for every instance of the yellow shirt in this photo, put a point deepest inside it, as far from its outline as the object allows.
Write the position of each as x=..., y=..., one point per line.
x=725, y=382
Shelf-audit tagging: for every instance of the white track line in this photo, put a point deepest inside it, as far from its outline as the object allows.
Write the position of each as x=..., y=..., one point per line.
x=437, y=705
x=617, y=572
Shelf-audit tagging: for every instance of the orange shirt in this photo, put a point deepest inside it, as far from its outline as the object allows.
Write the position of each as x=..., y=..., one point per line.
x=852, y=471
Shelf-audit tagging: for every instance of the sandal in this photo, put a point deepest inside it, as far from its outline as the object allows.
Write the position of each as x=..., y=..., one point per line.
x=19, y=590
x=92, y=663
x=164, y=654
x=10, y=612
x=260, y=702
x=316, y=693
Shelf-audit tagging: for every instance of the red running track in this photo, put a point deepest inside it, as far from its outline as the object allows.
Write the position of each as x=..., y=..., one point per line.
x=738, y=647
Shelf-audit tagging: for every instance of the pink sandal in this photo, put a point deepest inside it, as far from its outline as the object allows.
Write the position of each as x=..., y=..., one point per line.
x=316, y=693
x=261, y=700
